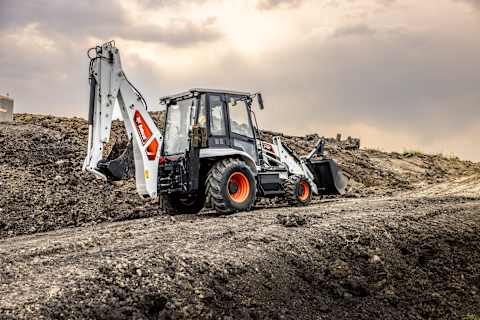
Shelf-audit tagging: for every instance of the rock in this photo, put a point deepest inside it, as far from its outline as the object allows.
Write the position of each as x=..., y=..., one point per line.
x=60, y=179
x=291, y=220
x=374, y=259
x=118, y=183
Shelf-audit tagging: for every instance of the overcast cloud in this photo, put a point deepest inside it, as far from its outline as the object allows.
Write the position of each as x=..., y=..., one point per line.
x=398, y=74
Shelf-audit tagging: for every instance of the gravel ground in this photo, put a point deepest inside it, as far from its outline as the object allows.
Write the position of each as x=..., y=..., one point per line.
x=387, y=258
x=403, y=244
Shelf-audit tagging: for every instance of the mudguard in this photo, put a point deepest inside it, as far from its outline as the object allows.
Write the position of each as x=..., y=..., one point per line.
x=229, y=152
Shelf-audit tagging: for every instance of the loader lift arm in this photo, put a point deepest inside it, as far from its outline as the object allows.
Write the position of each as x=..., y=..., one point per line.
x=108, y=84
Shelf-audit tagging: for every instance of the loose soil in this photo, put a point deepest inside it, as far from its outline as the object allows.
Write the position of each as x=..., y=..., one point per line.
x=403, y=244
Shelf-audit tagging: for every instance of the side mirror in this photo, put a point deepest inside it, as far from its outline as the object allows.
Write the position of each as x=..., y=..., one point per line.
x=260, y=101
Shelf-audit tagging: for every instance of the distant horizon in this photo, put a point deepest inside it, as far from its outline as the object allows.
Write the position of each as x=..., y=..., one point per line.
x=344, y=137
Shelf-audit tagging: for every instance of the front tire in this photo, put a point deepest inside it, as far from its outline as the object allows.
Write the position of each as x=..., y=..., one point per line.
x=231, y=186
x=176, y=203
x=298, y=191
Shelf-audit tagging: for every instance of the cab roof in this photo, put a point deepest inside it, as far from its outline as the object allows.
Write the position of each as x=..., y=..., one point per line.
x=192, y=91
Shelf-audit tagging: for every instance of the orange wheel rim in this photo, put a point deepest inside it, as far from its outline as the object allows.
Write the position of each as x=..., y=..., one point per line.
x=238, y=187
x=304, y=191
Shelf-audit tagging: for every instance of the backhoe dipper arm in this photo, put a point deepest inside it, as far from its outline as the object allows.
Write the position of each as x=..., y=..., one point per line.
x=108, y=84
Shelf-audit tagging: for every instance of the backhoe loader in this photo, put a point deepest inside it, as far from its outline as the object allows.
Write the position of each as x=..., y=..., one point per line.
x=210, y=152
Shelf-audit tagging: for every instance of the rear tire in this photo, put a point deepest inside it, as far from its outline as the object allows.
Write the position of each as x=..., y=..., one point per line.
x=231, y=186
x=176, y=203
x=298, y=191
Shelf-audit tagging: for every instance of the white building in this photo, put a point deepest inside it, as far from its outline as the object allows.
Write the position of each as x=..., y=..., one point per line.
x=6, y=109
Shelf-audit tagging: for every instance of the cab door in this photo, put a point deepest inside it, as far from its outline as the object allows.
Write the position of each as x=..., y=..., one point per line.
x=217, y=121
x=240, y=127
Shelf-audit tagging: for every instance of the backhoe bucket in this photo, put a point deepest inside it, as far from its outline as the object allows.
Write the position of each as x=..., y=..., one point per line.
x=328, y=177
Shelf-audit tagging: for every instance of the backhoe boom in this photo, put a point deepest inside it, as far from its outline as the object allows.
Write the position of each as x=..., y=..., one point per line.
x=108, y=84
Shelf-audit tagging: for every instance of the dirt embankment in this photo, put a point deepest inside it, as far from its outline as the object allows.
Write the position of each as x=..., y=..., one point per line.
x=413, y=255
x=42, y=186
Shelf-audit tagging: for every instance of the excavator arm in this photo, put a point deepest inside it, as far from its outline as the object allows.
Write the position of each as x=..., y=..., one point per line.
x=109, y=84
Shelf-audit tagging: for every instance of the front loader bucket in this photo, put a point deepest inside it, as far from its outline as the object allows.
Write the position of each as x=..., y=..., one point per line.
x=328, y=177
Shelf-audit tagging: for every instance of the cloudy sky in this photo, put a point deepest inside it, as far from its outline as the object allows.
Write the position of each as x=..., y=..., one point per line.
x=399, y=74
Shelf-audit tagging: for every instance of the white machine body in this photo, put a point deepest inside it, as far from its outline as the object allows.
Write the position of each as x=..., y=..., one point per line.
x=109, y=85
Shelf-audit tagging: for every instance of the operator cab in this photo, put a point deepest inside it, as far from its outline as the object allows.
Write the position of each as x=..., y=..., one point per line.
x=225, y=115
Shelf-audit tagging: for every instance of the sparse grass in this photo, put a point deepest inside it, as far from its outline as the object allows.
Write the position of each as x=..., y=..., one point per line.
x=471, y=317
x=412, y=153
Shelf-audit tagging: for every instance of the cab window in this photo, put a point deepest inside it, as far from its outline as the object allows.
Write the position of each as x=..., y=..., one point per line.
x=217, y=117
x=239, y=119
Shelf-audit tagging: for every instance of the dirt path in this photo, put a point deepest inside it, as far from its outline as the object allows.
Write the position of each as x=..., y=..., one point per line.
x=390, y=258
x=468, y=186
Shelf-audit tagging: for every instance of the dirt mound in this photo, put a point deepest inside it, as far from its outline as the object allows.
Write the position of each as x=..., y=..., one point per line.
x=42, y=186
